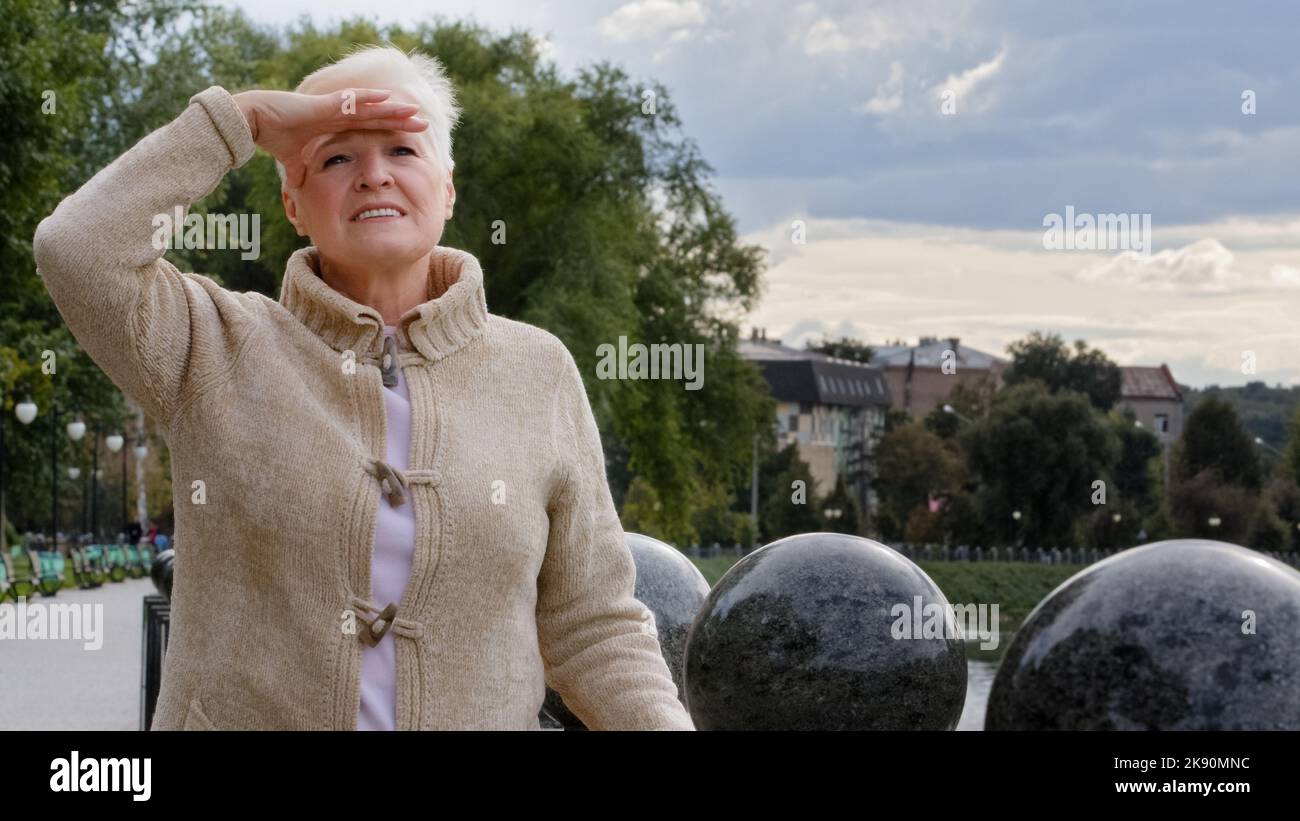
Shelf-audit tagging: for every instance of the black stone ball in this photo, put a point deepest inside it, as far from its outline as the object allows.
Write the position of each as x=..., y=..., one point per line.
x=1178, y=635
x=674, y=589
x=800, y=635
x=161, y=572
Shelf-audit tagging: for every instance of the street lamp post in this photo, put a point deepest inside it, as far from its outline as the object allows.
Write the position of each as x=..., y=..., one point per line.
x=1268, y=447
x=117, y=442
x=950, y=409
x=54, y=478
x=94, y=488
x=26, y=412
x=141, y=451
x=76, y=430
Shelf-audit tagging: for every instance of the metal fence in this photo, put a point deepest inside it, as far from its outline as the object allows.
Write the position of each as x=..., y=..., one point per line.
x=964, y=553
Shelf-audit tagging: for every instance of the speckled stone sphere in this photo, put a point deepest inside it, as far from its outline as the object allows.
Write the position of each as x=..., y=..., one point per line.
x=674, y=589
x=1178, y=635
x=801, y=635
x=161, y=572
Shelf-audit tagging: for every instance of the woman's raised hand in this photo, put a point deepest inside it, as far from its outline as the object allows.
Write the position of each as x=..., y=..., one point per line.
x=284, y=122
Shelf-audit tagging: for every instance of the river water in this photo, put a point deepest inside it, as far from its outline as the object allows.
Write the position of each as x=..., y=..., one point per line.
x=979, y=680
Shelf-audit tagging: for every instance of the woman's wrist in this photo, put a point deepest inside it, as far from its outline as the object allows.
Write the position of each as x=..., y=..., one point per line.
x=246, y=100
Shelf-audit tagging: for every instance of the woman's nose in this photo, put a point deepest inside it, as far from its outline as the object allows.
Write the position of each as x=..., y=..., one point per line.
x=373, y=172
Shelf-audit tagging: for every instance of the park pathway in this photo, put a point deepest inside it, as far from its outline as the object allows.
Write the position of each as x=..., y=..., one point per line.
x=60, y=685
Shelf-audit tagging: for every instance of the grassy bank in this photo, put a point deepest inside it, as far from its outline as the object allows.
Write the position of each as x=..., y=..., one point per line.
x=1015, y=587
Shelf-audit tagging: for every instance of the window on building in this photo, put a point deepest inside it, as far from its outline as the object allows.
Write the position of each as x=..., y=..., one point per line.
x=1162, y=423
x=794, y=422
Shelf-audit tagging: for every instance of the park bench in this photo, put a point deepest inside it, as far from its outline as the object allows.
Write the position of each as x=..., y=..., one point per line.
x=47, y=571
x=11, y=585
x=6, y=577
x=96, y=562
x=115, y=564
x=136, y=561
x=83, y=569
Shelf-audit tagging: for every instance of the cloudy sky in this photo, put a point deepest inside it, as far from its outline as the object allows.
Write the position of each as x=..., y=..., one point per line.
x=899, y=160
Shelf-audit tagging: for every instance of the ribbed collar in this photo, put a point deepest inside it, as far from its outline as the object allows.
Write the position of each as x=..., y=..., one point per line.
x=453, y=316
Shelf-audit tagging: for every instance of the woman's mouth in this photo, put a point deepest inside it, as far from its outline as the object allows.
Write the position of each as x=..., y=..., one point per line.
x=378, y=214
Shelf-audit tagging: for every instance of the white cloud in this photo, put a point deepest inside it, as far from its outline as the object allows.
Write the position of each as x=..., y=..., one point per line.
x=1285, y=276
x=645, y=19
x=964, y=84
x=887, y=280
x=1204, y=266
x=546, y=49
x=886, y=24
x=889, y=94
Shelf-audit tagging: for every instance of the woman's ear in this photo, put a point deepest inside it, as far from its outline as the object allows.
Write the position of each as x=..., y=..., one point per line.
x=291, y=211
x=451, y=196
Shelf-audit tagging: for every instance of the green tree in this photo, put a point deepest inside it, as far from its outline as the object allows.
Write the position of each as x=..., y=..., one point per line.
x=849, y=518
x=715, y=521
x=912, y=465
x=1133, y=475
x=1038, y=453
x=969, y=399
x=1283, y=499
x=1204, y=507
x=640, y=503
x=613, y=227
x=1046, y=358
x=64, y=69
x=1214, y=442
x=1112, y=526
x=1292, y=459
x=792, y=505
x=844, y=348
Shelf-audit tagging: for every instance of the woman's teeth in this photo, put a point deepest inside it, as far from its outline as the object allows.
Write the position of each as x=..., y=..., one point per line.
x=378, y=212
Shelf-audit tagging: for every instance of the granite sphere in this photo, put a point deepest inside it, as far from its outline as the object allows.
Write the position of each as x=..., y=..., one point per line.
x=1178, y=635
x=803, y=634
x=161, y=572
x=674, y=589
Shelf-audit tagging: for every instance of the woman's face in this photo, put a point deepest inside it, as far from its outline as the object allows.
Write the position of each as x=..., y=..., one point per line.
x=350, y=173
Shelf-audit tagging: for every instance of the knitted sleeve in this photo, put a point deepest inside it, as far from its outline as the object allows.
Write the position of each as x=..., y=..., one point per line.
x=151, y=328
x=598, y=641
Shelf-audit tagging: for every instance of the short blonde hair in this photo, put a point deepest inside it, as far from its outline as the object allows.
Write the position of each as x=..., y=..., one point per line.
x=419, y=75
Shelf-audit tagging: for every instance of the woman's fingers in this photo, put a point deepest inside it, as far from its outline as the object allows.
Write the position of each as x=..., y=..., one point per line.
x=390, y=124
x=391, y=110
x=368, y=95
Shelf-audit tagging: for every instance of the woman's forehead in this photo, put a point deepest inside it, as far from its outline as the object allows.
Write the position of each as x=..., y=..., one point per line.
x=360, y=136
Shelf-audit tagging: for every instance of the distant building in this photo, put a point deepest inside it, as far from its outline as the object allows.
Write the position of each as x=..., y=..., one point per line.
x=1154, y=397
x=916, y=377
x=833, y=409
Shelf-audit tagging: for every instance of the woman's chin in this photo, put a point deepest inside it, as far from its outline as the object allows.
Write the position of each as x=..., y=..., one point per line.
x=388, y=248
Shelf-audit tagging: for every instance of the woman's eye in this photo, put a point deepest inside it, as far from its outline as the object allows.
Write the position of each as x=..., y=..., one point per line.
x=405, y=148
x=331, y=160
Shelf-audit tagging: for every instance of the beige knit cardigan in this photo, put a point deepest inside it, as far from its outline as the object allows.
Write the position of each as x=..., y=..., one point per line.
x=274, y=416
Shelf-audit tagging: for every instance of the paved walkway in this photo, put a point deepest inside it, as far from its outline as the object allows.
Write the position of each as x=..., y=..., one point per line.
x=60, y=685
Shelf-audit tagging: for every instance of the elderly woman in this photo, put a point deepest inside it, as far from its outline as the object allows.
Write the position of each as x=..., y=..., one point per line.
x=393, y=504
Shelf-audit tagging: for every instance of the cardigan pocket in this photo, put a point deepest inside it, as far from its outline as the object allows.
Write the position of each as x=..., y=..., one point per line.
x=195, y=719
